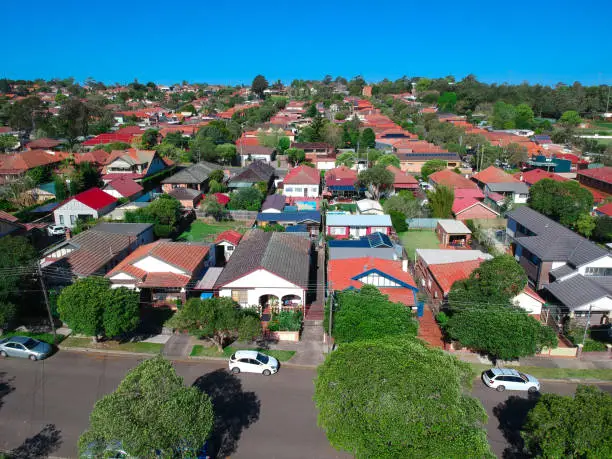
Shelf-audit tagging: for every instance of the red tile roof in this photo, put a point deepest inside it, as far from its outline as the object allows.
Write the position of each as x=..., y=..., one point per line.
x=98, y=157
x=446, y=274
x=603, y=174
x=222, y=199
x=303, y=175
x=21, y=162
x=402, y=179
x=341, y=172
x=493, y=174
x=125, y=187
x=231, y=236
x=164, y=280
x=451, y=180
x=95, y=198
x=340, y=274
x=8, y=217
x=535, y=175
x=529, y=292
x=606, y=209
x=44, y=143
x=464, y=193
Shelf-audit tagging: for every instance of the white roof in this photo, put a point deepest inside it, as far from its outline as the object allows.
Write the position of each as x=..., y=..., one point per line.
x=439, y=256
x=358, y=220
x=451, y=226
x=367, y=204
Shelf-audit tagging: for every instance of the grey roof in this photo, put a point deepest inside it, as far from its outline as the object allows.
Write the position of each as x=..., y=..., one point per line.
x=255, y=150
x=284, y=254
x=439, y=256
x=196, y=174
x=257, y=171
x=274, y=201
x=505, y=187
x=552, y=241
x=576, y=291
x=563, y=271
x=451, y=226
x=341, y=253
x=209, y=279
x=131, y=229
x=184, y=193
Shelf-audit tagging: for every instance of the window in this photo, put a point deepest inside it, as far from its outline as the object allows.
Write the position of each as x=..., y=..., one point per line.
x=289, y=189
x=61, y=219
x=599, y=272
x=337, y=231
x=229, y=248
x=72, y=219
x=240, y=296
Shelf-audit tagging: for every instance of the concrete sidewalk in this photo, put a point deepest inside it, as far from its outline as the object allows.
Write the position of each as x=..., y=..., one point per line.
x=544, y=362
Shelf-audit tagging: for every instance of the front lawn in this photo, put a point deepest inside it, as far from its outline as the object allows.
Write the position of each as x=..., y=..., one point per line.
x=142, y=347
x=554, y=373
x=200, y=350
x=201, y=231
x=424, y=239
x=46, y=337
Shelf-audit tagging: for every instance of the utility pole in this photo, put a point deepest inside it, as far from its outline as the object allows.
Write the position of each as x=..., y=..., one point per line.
x=586, y=327
x=331, y=315
x=44, y=290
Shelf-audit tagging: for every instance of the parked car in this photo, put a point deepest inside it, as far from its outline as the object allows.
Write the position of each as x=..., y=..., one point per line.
x=601, y=332
x=253, y=362
x=24, y=347
x=56, y=230
x=501, y=379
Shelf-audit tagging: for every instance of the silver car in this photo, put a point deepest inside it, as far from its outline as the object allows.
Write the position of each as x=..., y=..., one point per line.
x=24, y=347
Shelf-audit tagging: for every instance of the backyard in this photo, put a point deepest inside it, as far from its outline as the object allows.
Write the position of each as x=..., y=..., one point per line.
x=423, y=239
x=203, y=231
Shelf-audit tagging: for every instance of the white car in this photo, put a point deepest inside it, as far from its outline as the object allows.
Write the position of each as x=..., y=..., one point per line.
x=253, y=362
x=501, y=379
x=56, y=230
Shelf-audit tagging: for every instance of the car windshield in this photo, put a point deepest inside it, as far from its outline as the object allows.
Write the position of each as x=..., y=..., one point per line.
x=524, y=377
x=262, y=358
x=490, y=374
x=30, y=344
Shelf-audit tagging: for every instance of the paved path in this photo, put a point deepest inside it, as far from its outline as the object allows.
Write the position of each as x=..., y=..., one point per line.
x=48, y=403
x=179, y=345
x=429, y=331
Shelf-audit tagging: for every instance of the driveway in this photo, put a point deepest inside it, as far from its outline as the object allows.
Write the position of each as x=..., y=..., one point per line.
x=45, y=406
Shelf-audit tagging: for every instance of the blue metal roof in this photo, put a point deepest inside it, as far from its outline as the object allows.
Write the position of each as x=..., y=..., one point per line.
x=296, y=229
x=297, y=217
x=374, y=240
x=46, y=208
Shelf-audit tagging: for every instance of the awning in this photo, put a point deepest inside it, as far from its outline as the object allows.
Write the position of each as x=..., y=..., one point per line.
x=206, y=295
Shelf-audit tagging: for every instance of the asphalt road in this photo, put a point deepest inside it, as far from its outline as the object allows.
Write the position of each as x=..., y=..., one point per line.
x=45, y=406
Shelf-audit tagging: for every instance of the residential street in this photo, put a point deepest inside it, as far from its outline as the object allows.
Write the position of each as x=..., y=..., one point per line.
x=44, y=407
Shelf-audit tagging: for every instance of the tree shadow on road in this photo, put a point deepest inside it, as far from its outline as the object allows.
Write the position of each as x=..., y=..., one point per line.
x=6, y=387
x=234, y=409
x=40, y=446
x=512, y=415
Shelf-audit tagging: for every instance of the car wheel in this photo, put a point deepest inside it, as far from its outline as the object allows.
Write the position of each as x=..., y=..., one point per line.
x=532, y=390
x=3, y=354
x=500, y=388
x=235, y=370
x=32, y=357
x=267, y=373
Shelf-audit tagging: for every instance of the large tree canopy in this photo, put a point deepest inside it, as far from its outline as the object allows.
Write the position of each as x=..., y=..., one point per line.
x=17, y=257
x=441, y=202
x=564, y=202
x=431, y=166
x=377, y=179
x=398, y=398
x=150, y=414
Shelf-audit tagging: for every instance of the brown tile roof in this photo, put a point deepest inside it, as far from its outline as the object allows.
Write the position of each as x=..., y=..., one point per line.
x=21, y=162
x=44, y=143
x=303, y=175
x=446, y=274
x=493, y=174
x=451, y=179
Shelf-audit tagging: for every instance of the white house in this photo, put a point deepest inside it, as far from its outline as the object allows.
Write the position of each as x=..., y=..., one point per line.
x=229, y=240
x=267, y=269
x=302, y=181
x=530, y=301
x=91, y=204
x=518, y=191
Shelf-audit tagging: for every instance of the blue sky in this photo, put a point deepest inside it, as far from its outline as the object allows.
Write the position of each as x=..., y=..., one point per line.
x=231, y=42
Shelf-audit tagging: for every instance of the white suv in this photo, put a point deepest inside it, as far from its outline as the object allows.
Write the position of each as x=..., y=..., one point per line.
x=253, y=362
x=56, y=230
x=501, y=379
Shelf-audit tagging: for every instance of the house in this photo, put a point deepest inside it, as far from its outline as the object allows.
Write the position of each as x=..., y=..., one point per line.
x=16, y=165
x=9, y=224
x=256, y=172
x=530, y=301
x=188, y=197
x=313, y=149
x=268, y=270
x=413, y=161
x=389, y=276
x=274, y=203
x=137, y=164
x=90, y=204
x=605, y=210
x=453, y=233
x=533, y=176
x=229, y=240
x=492, y=174
x=95, y=251
x=43, y=192
x=342, y=226
x=124, y=188
x=302, y=181
x=599, y=178
x=369, y=207
x=163, y=271
x=310, y=218
x=566, y=269
x=517, y=192
x=341, y=182
x=450, y=179
x=249, y=153
x=375, y=245
x=470, y=208
x=402, y=180
x=44, y=143
x=96, y=157
x=194, y=177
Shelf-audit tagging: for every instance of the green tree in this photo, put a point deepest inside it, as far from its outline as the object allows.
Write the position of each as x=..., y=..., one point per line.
x=226, y=153
x=603, y=229
x=571, y=427
x=40, y=174
x=414, y=404
x=447, y=102
x=398, y=220
x=150, y=138
x=72, y=120
x=368, y=138
x=16, y=254
x=176, y=139
x=346, y=159
x=441, y=202
x=8, y=142
x=284, y=143
x=121, y=313
x=60, y=188
x=388, y=160
x=516, y=154
x=246, y=199
x=570, y=118
x=524, y=117
x=504, y=116
x=151, y=414
x=218, y=320
x=311, y=111
x=295, y=156
x=585, y=225
x=378, y=179
x=564, y=202
x=406, y=204
x=84, y=177
x=217, y=175
x=368, y=314
x=259, y=85
x=431, y=166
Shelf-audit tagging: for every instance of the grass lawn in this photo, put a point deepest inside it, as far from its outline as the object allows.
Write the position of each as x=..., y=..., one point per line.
x=412, y=240
x=555, y=373
x=200, y=350
x=352, y=208
x=145, y=348
x=46, y=337
x=200, y=231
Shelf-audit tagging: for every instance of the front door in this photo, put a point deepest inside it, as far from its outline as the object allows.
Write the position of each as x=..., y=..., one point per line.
x=305, y=191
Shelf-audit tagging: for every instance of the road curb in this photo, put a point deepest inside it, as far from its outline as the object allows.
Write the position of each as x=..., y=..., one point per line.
x=282, y=364
x=85, y=350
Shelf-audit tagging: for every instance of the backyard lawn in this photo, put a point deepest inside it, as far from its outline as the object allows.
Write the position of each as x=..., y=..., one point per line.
x=206, y=351
x=412, y=240
x=201, y=231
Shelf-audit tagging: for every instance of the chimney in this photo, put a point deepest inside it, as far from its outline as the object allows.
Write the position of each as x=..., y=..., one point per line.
x=405, y=265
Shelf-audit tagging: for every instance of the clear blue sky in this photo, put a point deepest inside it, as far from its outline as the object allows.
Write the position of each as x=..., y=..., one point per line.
x=232, y=41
